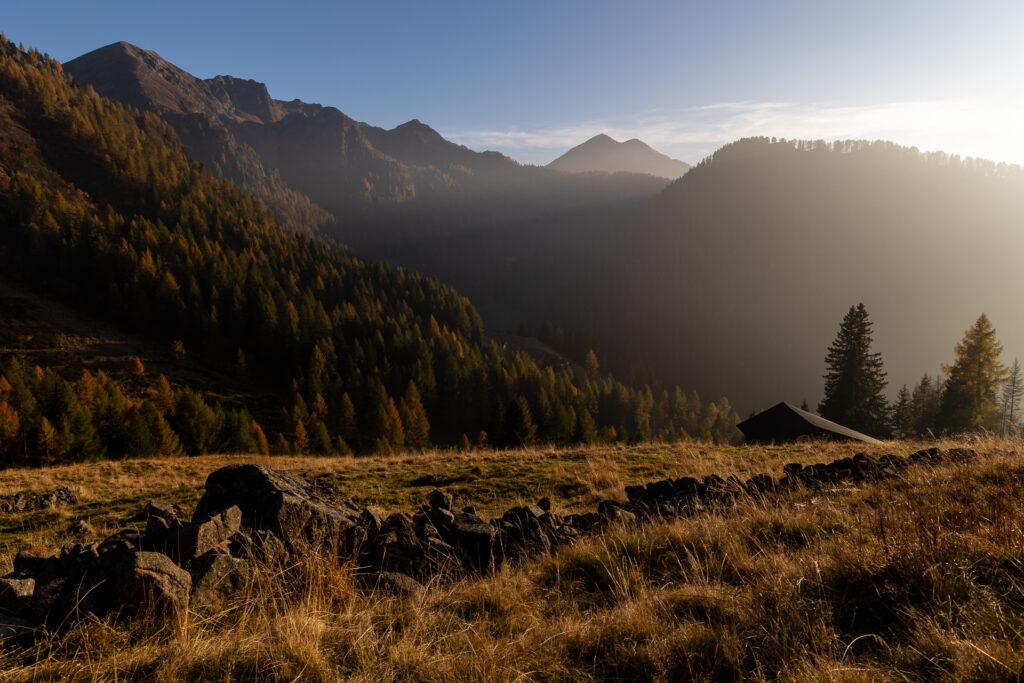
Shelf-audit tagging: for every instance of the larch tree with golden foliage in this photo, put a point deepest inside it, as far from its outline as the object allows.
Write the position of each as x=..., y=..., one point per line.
x=972, y=381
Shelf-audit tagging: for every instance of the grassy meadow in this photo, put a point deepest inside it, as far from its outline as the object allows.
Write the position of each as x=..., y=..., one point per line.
x=916, y=578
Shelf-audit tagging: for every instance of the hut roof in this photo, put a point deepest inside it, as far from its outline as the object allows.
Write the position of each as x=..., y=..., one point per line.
x=785, y=422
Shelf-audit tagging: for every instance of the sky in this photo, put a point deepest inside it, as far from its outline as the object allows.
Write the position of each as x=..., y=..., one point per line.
x=532, y=79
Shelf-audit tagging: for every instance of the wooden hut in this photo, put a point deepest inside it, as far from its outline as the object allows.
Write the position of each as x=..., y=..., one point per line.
x=785, y=422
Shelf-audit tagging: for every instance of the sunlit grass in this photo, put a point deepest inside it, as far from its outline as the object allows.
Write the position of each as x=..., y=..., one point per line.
x=911, y=579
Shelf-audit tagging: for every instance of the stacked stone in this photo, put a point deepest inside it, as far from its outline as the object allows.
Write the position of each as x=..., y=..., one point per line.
x=24, y=502
x=251, y=512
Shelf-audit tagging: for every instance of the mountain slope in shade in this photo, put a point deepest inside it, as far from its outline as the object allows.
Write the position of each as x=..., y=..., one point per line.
x=382, y=186
x=735, y=278
x=602, y=153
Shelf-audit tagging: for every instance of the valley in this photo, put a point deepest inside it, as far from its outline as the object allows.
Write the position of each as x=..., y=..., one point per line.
x=290, y=395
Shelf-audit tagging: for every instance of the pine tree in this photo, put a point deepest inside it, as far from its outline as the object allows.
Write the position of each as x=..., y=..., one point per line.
x=164, y=396
x=165, y=441
x=10, y=422
x=262, y=446
x=1009, y=400
x=854, y=379
x=301, y=438
x=903, y=414
x=524, y=431
x=138, y=441
x=48, y=441
x=414, y=418
x=195, y=422
x=586, y=430
x=319, y=439
x=281, y=445
x=393, y=433
x=925, y=401
x=347, y=427
x=969, y=396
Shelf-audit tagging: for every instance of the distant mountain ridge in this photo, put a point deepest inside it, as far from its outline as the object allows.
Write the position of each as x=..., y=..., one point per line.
x=286, y=152
x=604, y=154
x=734, y=279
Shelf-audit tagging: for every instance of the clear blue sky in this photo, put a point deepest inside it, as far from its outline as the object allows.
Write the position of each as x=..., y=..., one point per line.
x=533, y=78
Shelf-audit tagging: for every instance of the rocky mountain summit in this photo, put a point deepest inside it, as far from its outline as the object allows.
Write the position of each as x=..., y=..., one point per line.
x=298, y=157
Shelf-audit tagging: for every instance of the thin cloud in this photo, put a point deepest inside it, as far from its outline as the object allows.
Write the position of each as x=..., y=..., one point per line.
x=961, y=127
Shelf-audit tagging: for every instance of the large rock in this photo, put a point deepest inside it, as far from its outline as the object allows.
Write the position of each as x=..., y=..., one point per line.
x=215, y=577
x=302, y=512
x=205, y=534
x=474, y=538
x=161, y=521
x=16, y=595
x=148, y=582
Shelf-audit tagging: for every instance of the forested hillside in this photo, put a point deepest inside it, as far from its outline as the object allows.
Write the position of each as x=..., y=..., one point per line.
x=732, y=278
x=101, y=208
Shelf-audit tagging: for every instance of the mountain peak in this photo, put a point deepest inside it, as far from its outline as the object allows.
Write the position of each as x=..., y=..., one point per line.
x=144, y=80
x=416, y=127
x=604, y=154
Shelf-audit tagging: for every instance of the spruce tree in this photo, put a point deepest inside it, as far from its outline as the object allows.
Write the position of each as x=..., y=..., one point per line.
x=855, y=380
x=969, y=397
x=925, y=401
x=903, y=414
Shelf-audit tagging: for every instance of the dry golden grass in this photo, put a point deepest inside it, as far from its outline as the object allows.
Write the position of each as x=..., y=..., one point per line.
x=919, y=578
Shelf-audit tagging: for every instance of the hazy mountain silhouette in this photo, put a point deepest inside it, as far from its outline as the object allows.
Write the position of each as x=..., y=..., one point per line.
x=381, y=185
x=602, y=153
x=734, y=279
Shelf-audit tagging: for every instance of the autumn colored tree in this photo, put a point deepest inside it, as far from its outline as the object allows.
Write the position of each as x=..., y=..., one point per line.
x=414, y=418
x=524, y=431
x=972, y=381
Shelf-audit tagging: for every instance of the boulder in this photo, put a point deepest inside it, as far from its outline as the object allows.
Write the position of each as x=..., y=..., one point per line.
x=216, y=576
x=161, y=521
x=149, y=582
x=474, y=538
x=761, y=483
x=396, y=547
x=81, y=528
x=16, y=595
x=392, y=582
x=634, y=493
x=304, y=513
x=438, y=517
x=204, y=534
x=440, y=500
x=615, y=513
